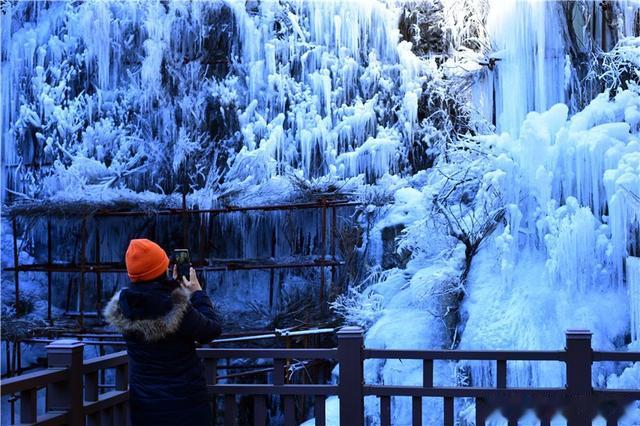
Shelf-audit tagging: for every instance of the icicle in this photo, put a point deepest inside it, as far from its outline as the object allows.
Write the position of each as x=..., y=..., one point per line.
x=375, y=157
x=531, y=57
x=575, y=260
x=95, y=30
x=410, y=105
x=633, y=285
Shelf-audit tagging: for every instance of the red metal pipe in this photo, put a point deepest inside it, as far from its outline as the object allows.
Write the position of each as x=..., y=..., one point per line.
x=324, y=249
x=333, y=247
x=185, y=224
x=49, y=275
x=98, y=276
x=83, y=261
x=223, y=266
x=16, y=264
x=229, y=209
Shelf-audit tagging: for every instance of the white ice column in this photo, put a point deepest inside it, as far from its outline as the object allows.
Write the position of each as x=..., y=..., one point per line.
x=633, y=283
x=529, y=74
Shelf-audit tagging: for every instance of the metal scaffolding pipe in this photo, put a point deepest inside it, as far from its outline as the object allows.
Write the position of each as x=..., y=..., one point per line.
x=16, y=263
x=229, y=209
x=225, y=265
x=222, y=266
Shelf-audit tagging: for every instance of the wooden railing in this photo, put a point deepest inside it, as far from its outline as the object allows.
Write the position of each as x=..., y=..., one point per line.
x=578, y=401
x=72, y=388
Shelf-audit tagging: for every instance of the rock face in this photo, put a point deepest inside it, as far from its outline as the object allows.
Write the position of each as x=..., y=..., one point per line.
x=390, y=256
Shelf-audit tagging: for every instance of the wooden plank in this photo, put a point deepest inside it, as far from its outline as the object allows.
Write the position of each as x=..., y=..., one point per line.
x=122, y=377
x=105, y=401
x=28, y=406
x=106, y=416
x=616, y=356
x=33, y=380
x=127, y=413
x=53, y=419
x=319, y=410
x=105, y=361
x=289, y=410
x=259, y=410
x=465, y=392
x=248, y=389
x=501, y=374
x=416, y=411
x=278, y=371
x=427, y=373
x=448, y=411
x=120, y=414
x=466, y=355
x=211, y=371
x=481, y=412
x=385, y=410
x=94, y=419
x=616, y=394
x=230, y=410
x=268, y=353
x=91, y=386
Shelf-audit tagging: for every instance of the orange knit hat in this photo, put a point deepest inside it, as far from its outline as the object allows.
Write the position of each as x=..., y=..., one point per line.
x=145, y=260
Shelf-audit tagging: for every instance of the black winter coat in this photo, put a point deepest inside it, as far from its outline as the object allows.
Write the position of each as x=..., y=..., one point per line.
x=161, y=324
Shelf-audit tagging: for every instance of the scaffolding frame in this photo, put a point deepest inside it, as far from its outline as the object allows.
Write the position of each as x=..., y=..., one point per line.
x=324, y=261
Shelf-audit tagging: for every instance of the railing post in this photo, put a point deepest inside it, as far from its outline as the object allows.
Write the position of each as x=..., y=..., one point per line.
x=579, y=389
x=67, y=395
x=350, y=388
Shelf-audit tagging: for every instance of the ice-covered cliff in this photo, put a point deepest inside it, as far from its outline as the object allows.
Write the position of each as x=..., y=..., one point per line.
x=495, y=145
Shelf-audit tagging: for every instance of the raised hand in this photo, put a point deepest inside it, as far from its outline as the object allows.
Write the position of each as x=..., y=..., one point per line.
x=192, y=284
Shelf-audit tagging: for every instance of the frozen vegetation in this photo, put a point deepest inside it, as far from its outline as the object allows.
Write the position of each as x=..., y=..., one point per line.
x=494, y=144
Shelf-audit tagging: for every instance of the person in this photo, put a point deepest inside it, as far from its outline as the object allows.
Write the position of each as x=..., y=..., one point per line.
x=161, y=320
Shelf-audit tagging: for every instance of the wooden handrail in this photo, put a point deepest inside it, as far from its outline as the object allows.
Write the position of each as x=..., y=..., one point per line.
x=487, y=355
x=105, y=401
x=459, y=392
x=209, y=353
x=105, y=361
x=248, y=389
x=616, y=356
x=79, y=395
x=36, y=379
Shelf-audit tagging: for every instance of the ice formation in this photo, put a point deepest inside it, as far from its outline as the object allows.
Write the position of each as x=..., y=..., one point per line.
x=536, y=221
x=531, y=57
x=633, y=281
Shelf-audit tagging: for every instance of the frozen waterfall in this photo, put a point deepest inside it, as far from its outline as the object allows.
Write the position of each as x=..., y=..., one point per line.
x=633, y=281
x=494, y=145
x=529, y=74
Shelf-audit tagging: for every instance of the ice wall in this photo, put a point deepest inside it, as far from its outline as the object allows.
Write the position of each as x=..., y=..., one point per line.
x=568, y=185
x=111, y=99
x=564, y=247
x=118, y=101
x=134, y=96
x=529, y=48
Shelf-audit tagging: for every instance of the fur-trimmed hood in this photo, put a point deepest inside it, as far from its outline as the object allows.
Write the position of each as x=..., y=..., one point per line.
x=147, y=313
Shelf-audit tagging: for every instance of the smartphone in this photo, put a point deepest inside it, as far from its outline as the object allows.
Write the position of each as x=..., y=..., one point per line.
x=182, y=262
